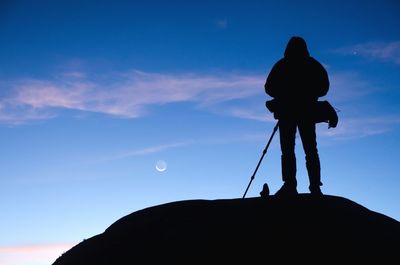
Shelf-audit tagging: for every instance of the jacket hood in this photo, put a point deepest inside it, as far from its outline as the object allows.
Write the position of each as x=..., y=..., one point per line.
x=296, y=48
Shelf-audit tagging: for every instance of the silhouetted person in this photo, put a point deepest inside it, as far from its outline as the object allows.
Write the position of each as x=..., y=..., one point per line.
x=296, y=82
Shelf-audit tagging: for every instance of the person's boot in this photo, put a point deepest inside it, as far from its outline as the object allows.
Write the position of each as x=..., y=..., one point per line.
x=315, y=190
x=289, y=188
x=314, y=175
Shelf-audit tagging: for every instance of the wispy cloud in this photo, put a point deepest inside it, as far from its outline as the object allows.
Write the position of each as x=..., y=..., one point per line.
x=347, y=129
x=142, y=151
x=122, y=94
x=18, y=115
x=384, y=51
x=129, y=94
x=350, y=128
x=348, y=86
x=152, y=149
x=32, y=254
x=250, y=114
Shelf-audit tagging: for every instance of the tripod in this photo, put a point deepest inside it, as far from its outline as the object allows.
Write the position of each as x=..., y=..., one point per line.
x=259, y=162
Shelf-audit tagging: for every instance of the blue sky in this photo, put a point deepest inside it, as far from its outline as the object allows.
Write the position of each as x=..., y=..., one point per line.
x=94, y=93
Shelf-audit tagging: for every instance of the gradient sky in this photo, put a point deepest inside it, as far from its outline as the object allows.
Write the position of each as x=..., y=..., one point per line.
x=94, y=93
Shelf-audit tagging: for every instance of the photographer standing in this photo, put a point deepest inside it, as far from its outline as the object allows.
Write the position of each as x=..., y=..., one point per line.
x=296, y=82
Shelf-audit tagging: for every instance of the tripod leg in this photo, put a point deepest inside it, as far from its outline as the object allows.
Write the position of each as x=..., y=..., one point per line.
x=259, y=162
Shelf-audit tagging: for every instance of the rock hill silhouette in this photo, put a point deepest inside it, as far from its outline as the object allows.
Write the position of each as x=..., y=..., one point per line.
x=303, y=228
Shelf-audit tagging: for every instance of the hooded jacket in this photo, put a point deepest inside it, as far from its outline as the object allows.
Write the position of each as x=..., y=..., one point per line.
x=296, y=82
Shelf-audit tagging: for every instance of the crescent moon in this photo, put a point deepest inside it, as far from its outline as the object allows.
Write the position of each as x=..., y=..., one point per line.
x=161, y=166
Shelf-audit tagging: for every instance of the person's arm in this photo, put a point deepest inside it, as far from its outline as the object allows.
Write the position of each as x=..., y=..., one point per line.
x=272, y=83
x=324, y=82
x=320, y=80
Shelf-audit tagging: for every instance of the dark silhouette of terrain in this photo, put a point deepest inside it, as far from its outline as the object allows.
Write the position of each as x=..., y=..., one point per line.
x=304, y=228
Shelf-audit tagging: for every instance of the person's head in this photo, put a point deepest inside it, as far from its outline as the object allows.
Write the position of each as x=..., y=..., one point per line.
x=296, y=48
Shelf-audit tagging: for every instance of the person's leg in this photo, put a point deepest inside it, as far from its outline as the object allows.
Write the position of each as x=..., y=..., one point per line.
x=287, y=134
x=308, y=138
